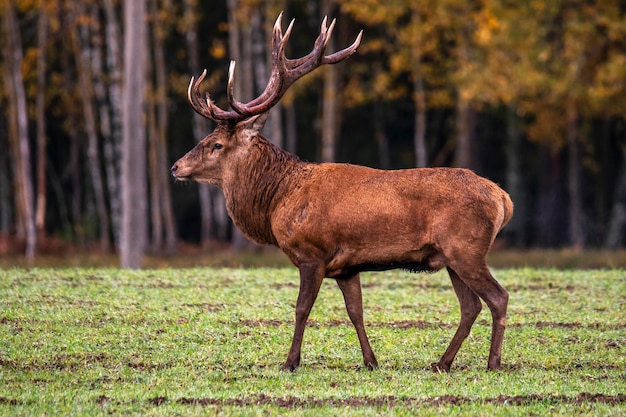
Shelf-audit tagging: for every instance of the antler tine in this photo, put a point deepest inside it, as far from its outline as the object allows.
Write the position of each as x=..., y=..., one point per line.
x=296, y=62
x=234, y=103
x=285, y=38
x=328, y=32
x=344, y=53
x=205, y=106
x=192, y=88
x=277, y=35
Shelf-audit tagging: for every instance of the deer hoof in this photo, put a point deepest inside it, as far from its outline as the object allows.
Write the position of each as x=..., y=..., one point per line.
x=439, y=367
x=288, y=367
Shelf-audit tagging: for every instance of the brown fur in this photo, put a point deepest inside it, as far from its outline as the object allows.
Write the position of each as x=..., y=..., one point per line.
x=336, y=220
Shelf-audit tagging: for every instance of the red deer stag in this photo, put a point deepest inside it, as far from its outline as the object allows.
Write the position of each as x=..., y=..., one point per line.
x=336, y=220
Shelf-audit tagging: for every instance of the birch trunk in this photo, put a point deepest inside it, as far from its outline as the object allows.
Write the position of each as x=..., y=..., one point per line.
x=329, y=113
x=83, y=51
x=6, y=211
x=74, y=169
x=134, y=193
x=201, y=126
x=40, y=114
x=112, y=130
x=18, y=129
x=156, y=224
x=163, y=225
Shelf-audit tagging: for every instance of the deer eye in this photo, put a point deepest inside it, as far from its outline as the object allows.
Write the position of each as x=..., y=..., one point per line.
x=217, y=146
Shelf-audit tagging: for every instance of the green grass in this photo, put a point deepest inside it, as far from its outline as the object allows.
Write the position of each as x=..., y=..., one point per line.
x=211, y=341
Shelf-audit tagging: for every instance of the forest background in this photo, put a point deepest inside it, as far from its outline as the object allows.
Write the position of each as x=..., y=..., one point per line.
x=530, y=94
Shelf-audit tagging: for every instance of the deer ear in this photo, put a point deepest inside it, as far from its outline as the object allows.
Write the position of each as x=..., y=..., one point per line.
x=253, y=125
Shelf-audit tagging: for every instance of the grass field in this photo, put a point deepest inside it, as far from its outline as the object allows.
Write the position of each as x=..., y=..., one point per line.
x=211, y=341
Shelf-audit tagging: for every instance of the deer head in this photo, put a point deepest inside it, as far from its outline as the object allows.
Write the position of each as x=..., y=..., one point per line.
x=209, y=161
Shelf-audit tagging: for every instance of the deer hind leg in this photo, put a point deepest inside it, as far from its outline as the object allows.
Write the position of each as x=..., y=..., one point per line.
x=470, y=308
x=351, y=289
x=480, y=281
x=310, y=282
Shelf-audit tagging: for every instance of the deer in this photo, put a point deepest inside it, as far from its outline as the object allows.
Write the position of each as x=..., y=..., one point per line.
x=336, y=220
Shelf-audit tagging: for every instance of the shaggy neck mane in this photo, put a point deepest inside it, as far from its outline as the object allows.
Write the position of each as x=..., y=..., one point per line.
x=262, y=179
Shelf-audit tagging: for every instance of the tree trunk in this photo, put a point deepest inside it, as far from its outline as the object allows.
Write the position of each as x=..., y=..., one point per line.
x=464, y=131
x=6, y=211
x=274, y=129
x=134, y=194
x=382, y=140
x=74, y=168
x=574, y=184
x=617, y=224
x=464, y=112
x=40, y=110
x=550, y=223
x=156, y=225
x=419, y=135
x=76, y=175
x=330, y=99
x=329, y=114
x=18, y=129
x=378, y=121
x=163, y=217
x=419, y=99
x=201, y=126
x=516, y=228
x=83, y=51
x=112, y=130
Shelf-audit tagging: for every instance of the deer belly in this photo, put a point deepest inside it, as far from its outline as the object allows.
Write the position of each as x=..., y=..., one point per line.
x=347, y=262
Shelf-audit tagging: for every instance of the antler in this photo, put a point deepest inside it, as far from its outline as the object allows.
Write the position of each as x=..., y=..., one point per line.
x=285, y=72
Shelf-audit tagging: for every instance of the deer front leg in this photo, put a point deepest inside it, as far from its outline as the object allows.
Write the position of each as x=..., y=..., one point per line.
x=351, y=289
x=310, y=282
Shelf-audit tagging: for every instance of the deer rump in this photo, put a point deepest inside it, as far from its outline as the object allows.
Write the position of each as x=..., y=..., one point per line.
x=362, y=219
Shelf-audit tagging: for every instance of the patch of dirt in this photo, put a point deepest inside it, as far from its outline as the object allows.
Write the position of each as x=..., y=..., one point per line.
x=10, y=401
x=392, y=401
x=415, y=324
x=207, y=306
x=420, y=324
x=401, y=324
x=157, y=400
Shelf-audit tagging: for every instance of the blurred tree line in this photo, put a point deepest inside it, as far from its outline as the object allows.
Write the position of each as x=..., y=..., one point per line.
x=529, y=94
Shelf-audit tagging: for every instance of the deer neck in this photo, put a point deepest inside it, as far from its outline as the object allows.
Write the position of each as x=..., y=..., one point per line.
x=256, y=185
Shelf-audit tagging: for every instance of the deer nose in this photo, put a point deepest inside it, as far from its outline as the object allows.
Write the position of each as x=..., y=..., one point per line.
x=173, y=169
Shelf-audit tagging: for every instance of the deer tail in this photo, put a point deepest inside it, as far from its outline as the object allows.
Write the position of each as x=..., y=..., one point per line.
x=507, y=205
